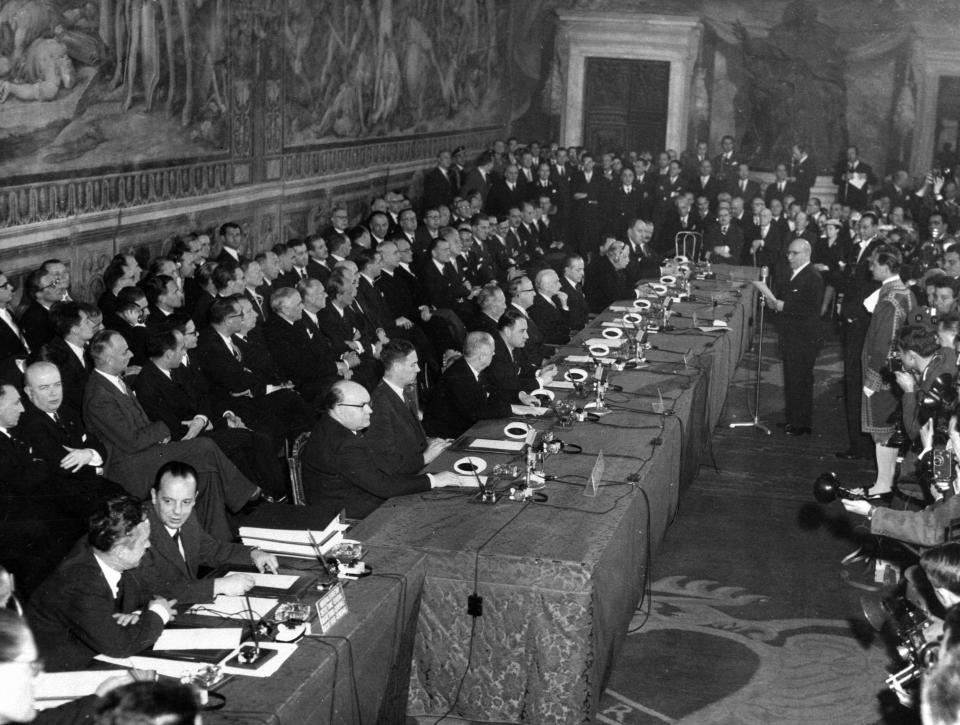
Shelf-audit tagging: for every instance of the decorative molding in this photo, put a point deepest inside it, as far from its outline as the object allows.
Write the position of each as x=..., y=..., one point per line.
x=628, y=36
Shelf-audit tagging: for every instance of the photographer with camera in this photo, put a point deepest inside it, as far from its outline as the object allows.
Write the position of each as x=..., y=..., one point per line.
x=923, y=362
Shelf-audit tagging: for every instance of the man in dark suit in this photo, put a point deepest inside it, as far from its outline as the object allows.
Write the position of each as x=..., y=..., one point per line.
x=232, y=375
x=396, y=433
x=669, y=186
x=87, y=606
x=13, y=344
x=346, y=330
x=311, y=365
x=780, y=187
x=706, y=184
x=854, y=180
x=586, y=189
x=169, y=393
x=549, y=310
x=137, y=447
x=492, y=303
x=55, y=434
x=478, y=179
x=442, y=286
x=606, y=278
x=571, y=284
x=680, y=219
x=858, y=284
x=510, y=373
x=804, y=172
x=75, y=325
x=621, y=204
x=318, y=256
x=179, y=546
x=42, y=291
x=438, y=183
x=724, y=240
x=506, y=193
x=644, y=262
x=464, y=395
x=762, y=248
x=743, y=186
x=522, y=293
x=341, y=468
x=725, y=164
x=231, y=240
x=797, y=307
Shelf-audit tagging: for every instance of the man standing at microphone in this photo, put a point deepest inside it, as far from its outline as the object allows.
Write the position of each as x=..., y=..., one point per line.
x=797, y=308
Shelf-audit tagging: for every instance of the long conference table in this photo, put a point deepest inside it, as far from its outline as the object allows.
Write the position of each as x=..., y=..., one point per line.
x=559, y=579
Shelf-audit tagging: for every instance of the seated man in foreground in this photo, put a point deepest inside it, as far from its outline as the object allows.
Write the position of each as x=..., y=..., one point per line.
x=179, y=545
x=87, y=607
x=340, y=467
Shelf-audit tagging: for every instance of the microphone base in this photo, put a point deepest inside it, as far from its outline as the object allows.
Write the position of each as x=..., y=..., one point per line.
x=251, y=658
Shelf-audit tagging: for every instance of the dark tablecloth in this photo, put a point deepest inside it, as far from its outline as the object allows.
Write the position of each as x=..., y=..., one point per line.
x=560, y=579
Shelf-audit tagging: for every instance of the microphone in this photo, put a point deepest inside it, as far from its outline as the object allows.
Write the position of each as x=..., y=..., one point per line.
x=764, y=273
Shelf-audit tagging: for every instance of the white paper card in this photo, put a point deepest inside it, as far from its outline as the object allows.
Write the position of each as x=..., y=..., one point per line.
x=52, y=689
x=235, y=607
x=607, y=342
x=578, y=358
x=496, y=445
x=561, y=385
x=270, y=581
x=199, y=638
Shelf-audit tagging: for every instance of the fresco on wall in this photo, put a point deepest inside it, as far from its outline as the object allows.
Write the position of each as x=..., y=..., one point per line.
x=105, y=83
x=395, y=67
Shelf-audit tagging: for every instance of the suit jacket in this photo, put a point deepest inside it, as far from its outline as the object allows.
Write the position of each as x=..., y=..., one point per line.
x=459, y=400
x=620, y=207
x=341, y=469
x=847, y=193
x=714, y=237
x=577, y=304
x=475, y=181
x=171, y=400
x=10, y=343
x=751, y=192
x=502, y=198
x=318, y=270
x=48, y=438
x=438, y=188
x=73, y=373
x=725, y=168
x=25, y=482
x=604, y=285
x=773, y=191
x=226, y=258
x=227, y=375
x=442, y=289
x=395, y=433
x=71, y=614
x=260, y=306
x=375, y=306
x=551, y=320
x=164, y=572
x=400, y=293
x=507, y=374
x=36, y=326
x=805, y=172
x=858, y=282
x=308, y=362
x=802, y=296
x=338, y=328
x=710, y=190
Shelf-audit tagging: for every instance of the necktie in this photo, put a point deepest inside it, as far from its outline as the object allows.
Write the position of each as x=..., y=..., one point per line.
x=410, y=398
x=743, y=185
x=236, y=353
x=56, y=417
x=118, y=602
x=723, y=230
x=8, y=318
x=179, y=544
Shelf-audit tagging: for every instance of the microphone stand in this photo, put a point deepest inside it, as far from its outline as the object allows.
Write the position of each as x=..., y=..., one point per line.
x=755, y=423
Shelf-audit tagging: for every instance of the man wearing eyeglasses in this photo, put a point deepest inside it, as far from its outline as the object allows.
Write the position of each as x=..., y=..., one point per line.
x=341, y=469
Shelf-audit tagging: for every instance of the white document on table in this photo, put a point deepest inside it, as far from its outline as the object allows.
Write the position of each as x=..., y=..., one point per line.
x=199, y=638
x=561, y=385
x=160, y=665
x=270, y=581
x=52, y=689
x=497, y=445
x=605, y=341
x=235, y=607
x=578, y=358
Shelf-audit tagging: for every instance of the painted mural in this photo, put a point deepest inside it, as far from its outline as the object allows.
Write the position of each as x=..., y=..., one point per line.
x=105, y=85
x=368, y=68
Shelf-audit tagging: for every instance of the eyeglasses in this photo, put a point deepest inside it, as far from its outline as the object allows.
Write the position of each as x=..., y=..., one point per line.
x=357, y=405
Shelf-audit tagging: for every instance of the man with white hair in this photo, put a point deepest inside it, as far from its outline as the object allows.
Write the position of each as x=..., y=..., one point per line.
x=549, y=309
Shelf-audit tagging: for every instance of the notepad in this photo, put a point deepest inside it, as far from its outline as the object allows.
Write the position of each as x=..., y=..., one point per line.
x=496, y=445
x=199, y=638
x=269, y=581
x=235, y=607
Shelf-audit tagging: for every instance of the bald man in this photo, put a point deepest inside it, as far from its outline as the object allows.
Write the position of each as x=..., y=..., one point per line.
x=797, y=314
x=342, y=470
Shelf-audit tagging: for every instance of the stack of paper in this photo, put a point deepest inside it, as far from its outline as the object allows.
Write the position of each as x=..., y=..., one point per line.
x=294, y=542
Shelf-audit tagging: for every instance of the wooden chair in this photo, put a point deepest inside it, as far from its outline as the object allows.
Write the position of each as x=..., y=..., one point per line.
x=293, y=462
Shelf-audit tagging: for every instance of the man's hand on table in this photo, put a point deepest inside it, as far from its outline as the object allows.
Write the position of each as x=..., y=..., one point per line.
x=265, y=561
x=435, y=446
x=233, y=585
